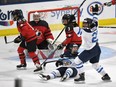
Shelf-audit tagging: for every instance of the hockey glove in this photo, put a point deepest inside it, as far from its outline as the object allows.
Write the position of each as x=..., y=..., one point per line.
x=59, y=63
x=108, y=4
x=50, y=46
x=17, y=39
x=60, y=46
x=95, y=9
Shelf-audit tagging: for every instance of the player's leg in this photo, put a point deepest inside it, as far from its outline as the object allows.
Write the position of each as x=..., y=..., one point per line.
x=78, y=62
x=22, y=58
x=70, y=72
x=95, y=64
x=55, y=73
x=31, y=47
x=101, y=71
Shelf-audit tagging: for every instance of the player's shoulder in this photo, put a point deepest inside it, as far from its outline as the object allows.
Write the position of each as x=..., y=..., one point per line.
x=43, y=23
x=32, y=23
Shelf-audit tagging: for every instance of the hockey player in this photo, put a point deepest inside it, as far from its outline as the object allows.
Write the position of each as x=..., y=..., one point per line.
x=64, y=71
x=91, y=47
x=28, y=38
x=113, y=2
x=43, y=31
x=69, y=22
x=72, y=52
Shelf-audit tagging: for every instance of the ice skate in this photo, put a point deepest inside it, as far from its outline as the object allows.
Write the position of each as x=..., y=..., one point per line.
x=21, y=66
x=64, y=78
x=106, y=78
x=44, y=77
x=38, y=69
x=81, y=79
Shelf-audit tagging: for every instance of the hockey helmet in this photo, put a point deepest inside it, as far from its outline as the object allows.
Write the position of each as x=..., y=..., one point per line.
x=17, y=14
x=66, y=19
x=89, y=23
x=73, y=45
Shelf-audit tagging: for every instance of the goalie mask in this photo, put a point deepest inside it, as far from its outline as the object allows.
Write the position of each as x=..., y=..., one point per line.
x=36, y=16
x=89, y=23
x=17, y=14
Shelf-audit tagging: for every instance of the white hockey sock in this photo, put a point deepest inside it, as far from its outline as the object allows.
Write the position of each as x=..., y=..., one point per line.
x=79, y=65
x=54, y=74
x=99, y=68
x=68, y=72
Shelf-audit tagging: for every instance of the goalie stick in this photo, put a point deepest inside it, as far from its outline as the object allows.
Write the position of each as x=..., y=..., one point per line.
x=5, y=39
x=6, y=23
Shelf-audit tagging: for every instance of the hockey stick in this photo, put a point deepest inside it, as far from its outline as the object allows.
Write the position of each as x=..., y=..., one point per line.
x=65, y=26
x=6, y=23
x=5, y=39
x=49, y=56
x=106, y=27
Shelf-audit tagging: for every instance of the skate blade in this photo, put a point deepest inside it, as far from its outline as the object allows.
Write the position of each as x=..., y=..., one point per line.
x=22, y=68
x=79, y=82
x=107, y=80
x=44, y=79
x=38, y=72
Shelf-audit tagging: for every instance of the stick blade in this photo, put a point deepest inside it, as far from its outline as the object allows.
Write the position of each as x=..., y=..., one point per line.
x=5, y=39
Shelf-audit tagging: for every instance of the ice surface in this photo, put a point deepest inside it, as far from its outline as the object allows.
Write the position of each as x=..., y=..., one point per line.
x=9, y=60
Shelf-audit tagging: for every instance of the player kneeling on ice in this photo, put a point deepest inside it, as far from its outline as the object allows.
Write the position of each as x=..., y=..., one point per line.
x=91, y=47
x=64, y=70
x=27, y=38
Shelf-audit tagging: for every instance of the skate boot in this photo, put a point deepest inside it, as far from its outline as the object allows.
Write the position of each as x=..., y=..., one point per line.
x=38, y=68
x=81, y=79
x=44, y=77
x=65, y=77
x=106, y=77
x=21, y=66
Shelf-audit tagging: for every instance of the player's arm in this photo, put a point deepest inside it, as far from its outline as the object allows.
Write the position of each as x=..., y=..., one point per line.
x=113, y=2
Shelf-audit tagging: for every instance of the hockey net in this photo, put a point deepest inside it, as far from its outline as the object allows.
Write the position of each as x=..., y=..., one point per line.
x=54, y=16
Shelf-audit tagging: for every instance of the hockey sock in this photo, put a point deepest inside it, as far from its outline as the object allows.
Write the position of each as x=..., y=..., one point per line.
x=34, y=57
x=99, y=68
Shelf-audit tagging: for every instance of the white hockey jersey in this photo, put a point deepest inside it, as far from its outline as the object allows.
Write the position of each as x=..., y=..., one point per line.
x=89, y=39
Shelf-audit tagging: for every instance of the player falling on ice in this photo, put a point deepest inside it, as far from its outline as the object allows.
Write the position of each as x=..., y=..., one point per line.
x=27, y=38
x=64, y=70
x=91, y=47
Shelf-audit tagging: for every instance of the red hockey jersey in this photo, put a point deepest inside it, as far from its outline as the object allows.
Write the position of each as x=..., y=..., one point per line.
x=42, y=29
x=26, y=31
x=71, y=36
